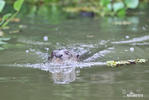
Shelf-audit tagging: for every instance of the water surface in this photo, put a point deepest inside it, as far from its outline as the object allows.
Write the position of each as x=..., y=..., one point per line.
x=25, y=76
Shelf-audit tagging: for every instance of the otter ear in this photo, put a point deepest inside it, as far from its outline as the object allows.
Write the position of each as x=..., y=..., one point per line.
x=66, y=52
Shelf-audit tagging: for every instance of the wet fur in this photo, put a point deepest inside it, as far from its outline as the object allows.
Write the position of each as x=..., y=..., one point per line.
x=62, y=56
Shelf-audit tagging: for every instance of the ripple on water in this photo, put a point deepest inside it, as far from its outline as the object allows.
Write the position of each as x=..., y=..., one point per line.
x=138, y=39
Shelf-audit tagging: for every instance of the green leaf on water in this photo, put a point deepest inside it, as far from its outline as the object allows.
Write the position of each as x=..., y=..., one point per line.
x=117, y=6
x=2, y=4
x=131, y=3
x=18, y=4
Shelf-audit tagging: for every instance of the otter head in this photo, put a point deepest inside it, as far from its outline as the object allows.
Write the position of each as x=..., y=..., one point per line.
x=63, y=56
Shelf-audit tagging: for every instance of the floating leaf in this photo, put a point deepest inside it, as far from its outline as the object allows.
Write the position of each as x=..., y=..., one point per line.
x=131, y=3
x=2, y=4
x=117, y=6
x=18, y=4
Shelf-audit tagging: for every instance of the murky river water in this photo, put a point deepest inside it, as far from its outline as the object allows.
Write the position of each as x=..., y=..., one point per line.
x=25, y=75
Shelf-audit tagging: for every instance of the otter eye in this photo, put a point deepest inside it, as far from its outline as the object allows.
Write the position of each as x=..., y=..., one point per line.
x=67, y=52
x=60, y=55
x=78, y=56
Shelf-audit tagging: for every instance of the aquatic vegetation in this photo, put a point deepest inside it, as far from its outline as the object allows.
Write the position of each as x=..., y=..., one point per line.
x=9, y=16
x=125, y=62
x=2, y=4
x=54, y=8
x=104, y=7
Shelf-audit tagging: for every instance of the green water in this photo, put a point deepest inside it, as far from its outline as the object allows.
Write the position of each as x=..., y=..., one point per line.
x=87, y=36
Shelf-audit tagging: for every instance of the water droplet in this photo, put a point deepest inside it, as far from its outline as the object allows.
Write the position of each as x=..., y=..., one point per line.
x=45, y=38
x=47, y=49
x=27, y=51
x=132, y=49
x=127, y=37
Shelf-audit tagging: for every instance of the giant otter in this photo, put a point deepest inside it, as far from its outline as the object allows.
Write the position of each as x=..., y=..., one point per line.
x=62, y=56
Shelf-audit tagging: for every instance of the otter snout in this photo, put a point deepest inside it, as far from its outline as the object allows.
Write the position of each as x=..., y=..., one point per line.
x=62, y=56
x=56, y=54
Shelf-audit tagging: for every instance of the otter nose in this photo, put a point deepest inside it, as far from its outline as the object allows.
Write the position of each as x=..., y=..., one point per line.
x=58, y=55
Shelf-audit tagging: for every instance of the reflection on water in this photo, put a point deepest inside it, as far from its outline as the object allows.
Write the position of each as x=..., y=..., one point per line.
x=62, y=75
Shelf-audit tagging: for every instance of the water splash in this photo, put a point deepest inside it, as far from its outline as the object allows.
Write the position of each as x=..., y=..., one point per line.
x=138, y=39
x=61, y=73
x=99, y=54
